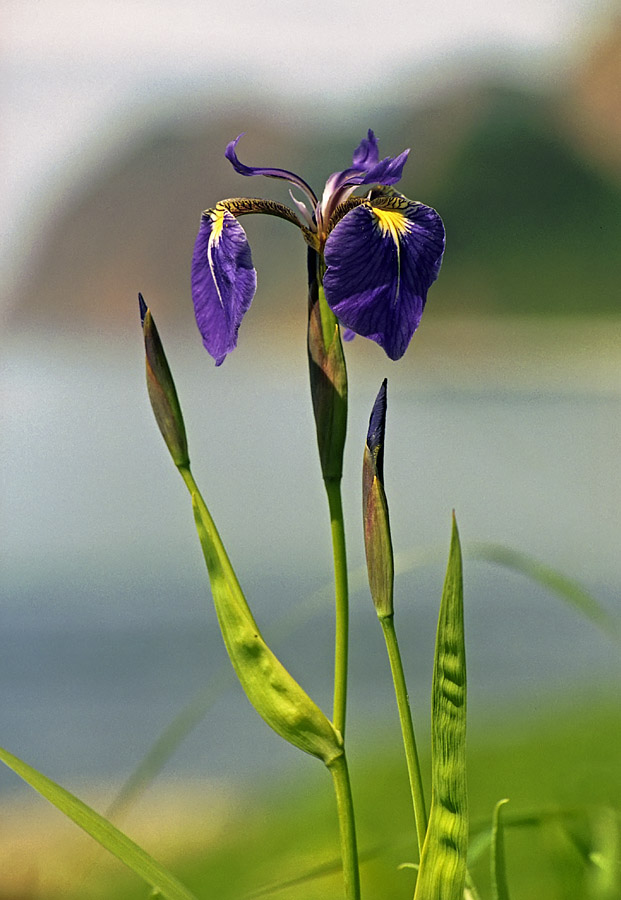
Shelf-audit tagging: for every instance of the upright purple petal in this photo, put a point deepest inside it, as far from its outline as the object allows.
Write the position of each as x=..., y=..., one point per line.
x=366, y=169
x=380, y=264
x=223, y=280
x=388, y=171
x=366, y=153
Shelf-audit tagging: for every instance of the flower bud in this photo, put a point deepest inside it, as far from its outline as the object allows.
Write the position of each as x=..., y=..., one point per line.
x=162, y=393
x=377, y=540
x=328, y=378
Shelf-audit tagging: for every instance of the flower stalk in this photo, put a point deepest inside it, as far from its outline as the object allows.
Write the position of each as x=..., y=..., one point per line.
x=347, y=829
x=380, y=565
x=328, y=382
x=407, y=730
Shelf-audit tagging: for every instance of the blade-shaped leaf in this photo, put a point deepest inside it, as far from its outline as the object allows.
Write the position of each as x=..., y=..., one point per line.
x=498, y=865
x=605, y=871
x=568, y=589
x=442, y=873
x=271, y=689
x=104, y=832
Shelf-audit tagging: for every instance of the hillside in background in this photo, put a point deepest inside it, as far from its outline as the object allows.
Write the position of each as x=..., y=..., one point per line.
x=531, y=202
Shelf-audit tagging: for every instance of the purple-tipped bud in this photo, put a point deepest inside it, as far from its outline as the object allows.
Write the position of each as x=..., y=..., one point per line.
x=162, y=392
x=377, y=539
x=377, y=428
x=143, y=308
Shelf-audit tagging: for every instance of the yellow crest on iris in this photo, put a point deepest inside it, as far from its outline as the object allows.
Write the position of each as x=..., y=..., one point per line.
x=392, y=222
x=217, y=218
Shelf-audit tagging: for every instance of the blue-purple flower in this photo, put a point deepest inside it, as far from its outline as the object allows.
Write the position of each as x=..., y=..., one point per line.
x=381, y=252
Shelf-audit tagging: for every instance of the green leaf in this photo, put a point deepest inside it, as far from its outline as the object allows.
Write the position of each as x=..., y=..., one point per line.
x=442, y=874
x=568, y=589
x=604, y=876
x=273, y=692
x=103, y=831
x=498, y=865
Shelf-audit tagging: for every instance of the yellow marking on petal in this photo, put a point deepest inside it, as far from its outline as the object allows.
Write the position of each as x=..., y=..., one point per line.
x=217, y=218
x=394, y=224
x=391, y=222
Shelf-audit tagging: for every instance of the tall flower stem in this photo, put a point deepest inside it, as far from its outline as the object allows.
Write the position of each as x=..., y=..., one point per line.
x=345, y=808
x=407, y=729
x=328, y=381
x=341, y=594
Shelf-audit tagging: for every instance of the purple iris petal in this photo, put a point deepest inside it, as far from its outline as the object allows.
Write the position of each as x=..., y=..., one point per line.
x=388, y=171
x=239, y=167
x=366, y=153
x=380, y=265
x=366, y=169
x=223, y=281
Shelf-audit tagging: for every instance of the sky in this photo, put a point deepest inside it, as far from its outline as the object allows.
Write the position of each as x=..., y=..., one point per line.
x=69, y=68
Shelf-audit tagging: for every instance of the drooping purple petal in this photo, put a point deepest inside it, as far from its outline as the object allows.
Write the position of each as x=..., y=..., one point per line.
x=380, y=265
x=242, y=169
x=223, y=280
x=366, y=153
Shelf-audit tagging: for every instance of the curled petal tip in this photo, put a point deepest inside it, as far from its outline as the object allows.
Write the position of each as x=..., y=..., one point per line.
x=231, y=155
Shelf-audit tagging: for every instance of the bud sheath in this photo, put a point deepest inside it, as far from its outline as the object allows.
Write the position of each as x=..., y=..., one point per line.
x=162, y=392
x=377, y=539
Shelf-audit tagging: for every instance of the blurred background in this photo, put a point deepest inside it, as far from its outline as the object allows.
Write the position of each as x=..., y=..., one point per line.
x=506, y=406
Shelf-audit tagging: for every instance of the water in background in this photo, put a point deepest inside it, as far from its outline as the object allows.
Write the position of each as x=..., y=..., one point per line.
x=106, y=624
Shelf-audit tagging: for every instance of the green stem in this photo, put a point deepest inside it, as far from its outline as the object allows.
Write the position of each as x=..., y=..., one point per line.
x=407, y=729
x=341, y=594
x=187, y=476
x=347, y=827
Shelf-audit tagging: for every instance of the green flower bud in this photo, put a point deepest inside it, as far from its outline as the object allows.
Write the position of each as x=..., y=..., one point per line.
x=328, y=378
x=162, y=393
x=377, y=539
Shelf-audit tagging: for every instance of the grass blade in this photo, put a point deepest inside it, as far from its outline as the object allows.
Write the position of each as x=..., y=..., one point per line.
x=499, y=868
x=605, y=870
x=137, y=859
x=442, y=873
x=566, y=588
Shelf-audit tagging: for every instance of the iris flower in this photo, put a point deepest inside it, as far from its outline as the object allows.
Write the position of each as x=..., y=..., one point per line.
x=379, y=253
